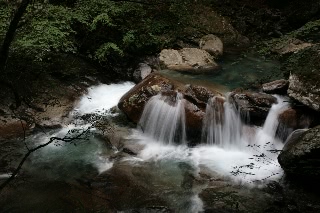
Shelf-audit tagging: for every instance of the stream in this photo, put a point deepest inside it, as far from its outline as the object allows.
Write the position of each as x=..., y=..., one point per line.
x=163, y=174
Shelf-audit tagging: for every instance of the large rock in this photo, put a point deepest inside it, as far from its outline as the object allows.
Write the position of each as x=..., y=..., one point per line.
x=253, y=104
x=191, y=60
x=301, y=157
x=276, y=87
x=304, y=91
x=304, y=69
x=133, y=102
x=296, y=117
x=195, y=99
x=212, y=44
x=141, y=72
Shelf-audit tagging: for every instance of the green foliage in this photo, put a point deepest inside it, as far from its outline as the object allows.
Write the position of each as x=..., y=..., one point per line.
x=5, y=12
x=105, y=50
x=102, y=19
x=48, y=30
x=98, y=29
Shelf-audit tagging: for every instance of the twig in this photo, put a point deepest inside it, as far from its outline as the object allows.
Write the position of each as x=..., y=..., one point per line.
x=30, y=151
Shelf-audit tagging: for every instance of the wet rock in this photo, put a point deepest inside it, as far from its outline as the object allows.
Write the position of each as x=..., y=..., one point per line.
x=298, y=118
x=13, y=128
x=304, y=84
x=301, y=156
x=276, y=87
x=195, y=100
x=131, y=187
x=190, y=60
x=194, y=119
x=252, y=104
x=141, y=72
x=133, y=102
x=212, y=44
x=199, y=94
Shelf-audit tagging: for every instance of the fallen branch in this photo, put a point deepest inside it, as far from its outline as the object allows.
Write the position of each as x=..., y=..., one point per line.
x=66, y=139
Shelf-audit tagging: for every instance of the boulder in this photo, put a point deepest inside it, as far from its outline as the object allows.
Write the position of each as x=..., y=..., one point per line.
x=141, y=72
x=190, y=60
x=212, y=44
x=295, y=118
x=133, y=102
x=208, y=20
x=298, y=118
x=276, y=87
x=195, y=99
x=253, y=104
x=304, y=91
x=290, y=46
x=301, y=157
x=304, y=69
x=199, y=94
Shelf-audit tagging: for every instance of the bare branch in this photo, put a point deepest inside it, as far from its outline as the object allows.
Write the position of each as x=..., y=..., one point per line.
x=66, y=139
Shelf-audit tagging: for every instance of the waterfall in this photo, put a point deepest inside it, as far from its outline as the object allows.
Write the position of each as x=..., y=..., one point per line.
x=222, y=125
x=163, y=118
x=270, y=126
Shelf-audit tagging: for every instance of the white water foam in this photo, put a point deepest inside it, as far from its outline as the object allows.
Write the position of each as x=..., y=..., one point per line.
x=98, y=99
x=4, y=176
x=102, y=97
x=248, y=160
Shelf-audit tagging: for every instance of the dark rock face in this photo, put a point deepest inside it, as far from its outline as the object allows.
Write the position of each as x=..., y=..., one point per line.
x=255, y=105
x=304, y=69
x=195, y=100
x=276, y=87
x=299, y=117
x=301, y=157
x=141, y=72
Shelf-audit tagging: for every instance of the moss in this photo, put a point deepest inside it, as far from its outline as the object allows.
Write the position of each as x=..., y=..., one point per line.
x=307, y=33
x=305, y=64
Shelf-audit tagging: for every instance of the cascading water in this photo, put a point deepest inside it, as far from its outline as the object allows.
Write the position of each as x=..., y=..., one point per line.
x=222, y=125
x=229, y=143
x=269, y=129
x=235, y=148
x=163, y=119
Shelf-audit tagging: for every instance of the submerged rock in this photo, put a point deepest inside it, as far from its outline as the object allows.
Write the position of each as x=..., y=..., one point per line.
x=253, y=104
x=276, y=87
x=212, y=44
x=301, y=157
x=191, y=60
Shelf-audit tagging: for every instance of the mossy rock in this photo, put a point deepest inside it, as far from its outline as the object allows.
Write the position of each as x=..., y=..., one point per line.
x=304, y=70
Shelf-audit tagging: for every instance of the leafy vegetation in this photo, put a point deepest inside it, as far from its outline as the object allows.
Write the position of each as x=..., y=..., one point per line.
x=104, y=31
